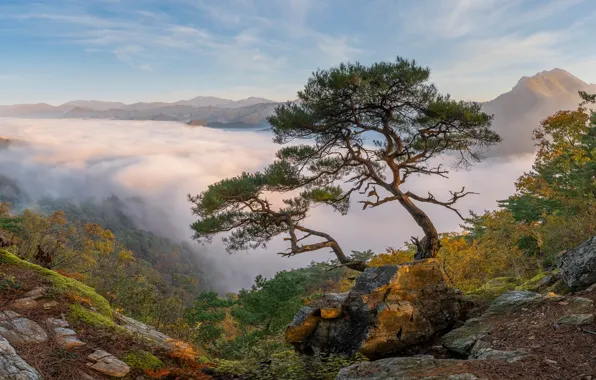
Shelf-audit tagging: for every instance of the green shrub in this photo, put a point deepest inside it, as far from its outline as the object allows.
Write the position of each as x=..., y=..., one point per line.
x=236, y=367
x=8, y=283
x=497, y=286
x=271, y=360
x=327, y=367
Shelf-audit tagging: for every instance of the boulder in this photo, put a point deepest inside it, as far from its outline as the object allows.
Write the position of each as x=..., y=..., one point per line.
x=18, y=330
x=107, y=364
x=36, y=293
x=541, y=282
x=25, y=304
x=514, y=301
x=496, y=287
x=483, y=351
x=405, y=368
x=50, y=305
x=388, y=310
x=12, y=366
x=578, y=265
x=576, y=319
x=461, y=341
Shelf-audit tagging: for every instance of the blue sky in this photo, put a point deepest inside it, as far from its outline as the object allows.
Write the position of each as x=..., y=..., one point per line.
x=153, y=50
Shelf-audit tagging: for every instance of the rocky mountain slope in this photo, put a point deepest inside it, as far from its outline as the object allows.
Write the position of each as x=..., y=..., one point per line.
x=54, y=327
x=522, y=334
x=520, y=111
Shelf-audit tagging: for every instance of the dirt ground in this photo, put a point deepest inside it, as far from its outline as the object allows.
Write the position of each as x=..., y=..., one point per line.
x=556, y=351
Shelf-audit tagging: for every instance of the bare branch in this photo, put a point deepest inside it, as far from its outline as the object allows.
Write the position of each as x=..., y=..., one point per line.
x=455, y=196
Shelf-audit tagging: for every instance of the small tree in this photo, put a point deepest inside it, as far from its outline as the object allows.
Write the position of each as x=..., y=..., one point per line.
x=374, y=127
x=562, y=179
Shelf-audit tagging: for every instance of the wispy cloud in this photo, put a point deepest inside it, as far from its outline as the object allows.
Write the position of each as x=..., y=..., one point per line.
x=454, y=19
x=475, y=47
x=338, y=49
x=491, y=44
x=133, y=55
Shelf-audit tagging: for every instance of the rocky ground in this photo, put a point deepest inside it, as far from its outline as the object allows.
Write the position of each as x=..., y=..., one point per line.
x=55, y=328
x=522, y=335
x=542, y=329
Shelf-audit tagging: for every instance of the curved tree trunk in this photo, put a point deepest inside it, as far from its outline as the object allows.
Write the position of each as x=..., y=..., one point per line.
x=329, y=242
x=429, y=246
x=339, y=253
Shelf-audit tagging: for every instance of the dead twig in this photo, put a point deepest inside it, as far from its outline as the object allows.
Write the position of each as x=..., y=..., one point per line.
x=589, y=331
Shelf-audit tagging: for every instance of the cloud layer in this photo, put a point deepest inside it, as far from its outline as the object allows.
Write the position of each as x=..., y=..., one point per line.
x=163, y=161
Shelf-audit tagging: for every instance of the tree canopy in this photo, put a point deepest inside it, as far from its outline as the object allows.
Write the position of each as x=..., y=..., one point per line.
x=562, y=179
x=368, y=129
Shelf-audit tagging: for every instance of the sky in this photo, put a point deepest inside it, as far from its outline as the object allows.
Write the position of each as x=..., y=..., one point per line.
x=152, y=50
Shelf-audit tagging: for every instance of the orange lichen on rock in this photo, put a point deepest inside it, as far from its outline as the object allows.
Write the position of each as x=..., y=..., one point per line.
x=389, y=309
x=301, y=331
x=331, y=312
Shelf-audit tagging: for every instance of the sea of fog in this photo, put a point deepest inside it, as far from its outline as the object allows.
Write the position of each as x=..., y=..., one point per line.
x=162, y=162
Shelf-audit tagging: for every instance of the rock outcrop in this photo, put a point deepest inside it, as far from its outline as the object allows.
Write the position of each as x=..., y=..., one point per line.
x=389, y=309
x=12, y=366
x=578, y=265
x=26, y=333
x=25, y=304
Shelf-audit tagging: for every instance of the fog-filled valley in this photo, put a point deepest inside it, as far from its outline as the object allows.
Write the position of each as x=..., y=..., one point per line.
x=162, y=162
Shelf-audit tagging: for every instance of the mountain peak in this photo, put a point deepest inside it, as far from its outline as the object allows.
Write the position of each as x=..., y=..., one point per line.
x=551, y=82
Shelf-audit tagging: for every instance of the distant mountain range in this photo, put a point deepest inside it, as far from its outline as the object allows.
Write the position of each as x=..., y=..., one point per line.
x=517, y=112
x=208, y=109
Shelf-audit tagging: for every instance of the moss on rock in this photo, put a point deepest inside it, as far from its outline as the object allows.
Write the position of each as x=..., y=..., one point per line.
x=495, y=287
x=142, y=360
x=80, y=314
x=62, y=286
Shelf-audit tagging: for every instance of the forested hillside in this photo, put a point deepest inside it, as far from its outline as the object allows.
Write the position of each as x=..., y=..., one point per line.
x=148, y=277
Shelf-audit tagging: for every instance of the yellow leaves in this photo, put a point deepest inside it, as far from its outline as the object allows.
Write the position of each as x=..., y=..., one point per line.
x=5, y=210
x=561, y=134
x=230, y=326
x=532, y=183
x=58, y=218
x=126, y=256
x=345, y=284
x=93, y=229
x=392, y=257
x=80, y=299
